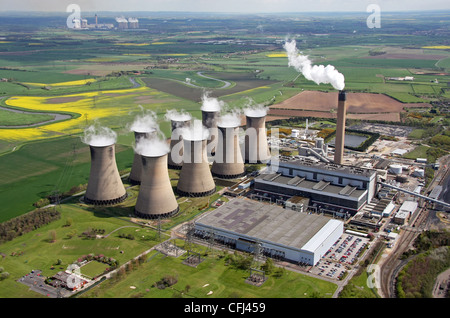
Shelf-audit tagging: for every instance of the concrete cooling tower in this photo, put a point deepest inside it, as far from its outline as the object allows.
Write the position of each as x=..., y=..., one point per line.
x=175, y=157
x=136, y=168
x=256, y=148
x=228, y=162
x=340, y=129
x=156, y=198
x=209, y=120
x=195, y=177
x=105, y=186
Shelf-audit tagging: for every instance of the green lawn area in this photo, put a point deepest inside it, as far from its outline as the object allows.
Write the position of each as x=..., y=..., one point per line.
x=418, y=152
x=210, y=275
x=93, y=268
x=37, y=169
x=34, y=250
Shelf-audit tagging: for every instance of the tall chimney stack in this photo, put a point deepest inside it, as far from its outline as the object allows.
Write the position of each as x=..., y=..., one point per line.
x=156, y=198
x=104, y=186
x=340, y=129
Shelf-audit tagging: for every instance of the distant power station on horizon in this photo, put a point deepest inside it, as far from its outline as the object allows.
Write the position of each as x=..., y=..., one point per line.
x=123, y=24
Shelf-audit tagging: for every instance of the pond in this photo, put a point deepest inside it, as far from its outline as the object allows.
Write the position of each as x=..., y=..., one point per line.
x=351, y=140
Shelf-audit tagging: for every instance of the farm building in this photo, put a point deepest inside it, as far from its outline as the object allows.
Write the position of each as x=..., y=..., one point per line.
x=277, y=232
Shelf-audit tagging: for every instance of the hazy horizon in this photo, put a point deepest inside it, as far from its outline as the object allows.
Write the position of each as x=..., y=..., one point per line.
x=230, y=6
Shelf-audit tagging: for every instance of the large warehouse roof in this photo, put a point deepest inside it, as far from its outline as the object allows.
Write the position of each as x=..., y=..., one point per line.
x=267, y=222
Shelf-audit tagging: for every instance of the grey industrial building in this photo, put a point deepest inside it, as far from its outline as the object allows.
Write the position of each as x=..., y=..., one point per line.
x=327, y=185
x=276, y=232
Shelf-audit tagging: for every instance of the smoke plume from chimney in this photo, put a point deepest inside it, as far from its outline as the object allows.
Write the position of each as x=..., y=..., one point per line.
x=317, y=73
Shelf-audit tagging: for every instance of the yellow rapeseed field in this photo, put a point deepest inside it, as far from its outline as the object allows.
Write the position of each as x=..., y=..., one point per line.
x=69, y=83
x=105, y=105
x=282, y=54
x=439, y=47
x=132, y=44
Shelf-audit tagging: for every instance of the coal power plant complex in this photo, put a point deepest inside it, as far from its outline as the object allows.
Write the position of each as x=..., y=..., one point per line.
x=258, y=197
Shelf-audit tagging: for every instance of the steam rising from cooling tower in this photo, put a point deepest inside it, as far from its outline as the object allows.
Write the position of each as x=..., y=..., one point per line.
x=317, y=73
x=195, y=176
x=99, y=136
x=228, y=162
x=105, y=186
x=256, y=148
x=144, y=125
x=211, y=108
x=144, y=122
x=178, y=120
x=156, y=198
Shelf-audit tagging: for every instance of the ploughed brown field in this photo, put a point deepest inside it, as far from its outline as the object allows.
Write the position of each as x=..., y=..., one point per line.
x=366, y=106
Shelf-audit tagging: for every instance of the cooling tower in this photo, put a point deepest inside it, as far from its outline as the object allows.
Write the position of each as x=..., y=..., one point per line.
x=209, y=120
x=256, y=146
x=175, y=157
x=156, y=198
x=228, y=162
x=136, y=168
x=195, y=177
x=340, y=129
x=105, y=186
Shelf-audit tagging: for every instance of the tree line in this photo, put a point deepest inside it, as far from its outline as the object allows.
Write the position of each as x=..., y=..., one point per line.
x=26, y=223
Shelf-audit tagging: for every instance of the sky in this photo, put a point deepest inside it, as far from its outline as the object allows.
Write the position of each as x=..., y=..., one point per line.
x=238, y=6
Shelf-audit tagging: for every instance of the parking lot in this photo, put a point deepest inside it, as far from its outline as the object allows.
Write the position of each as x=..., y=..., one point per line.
x=36, y=281
x=340, y=256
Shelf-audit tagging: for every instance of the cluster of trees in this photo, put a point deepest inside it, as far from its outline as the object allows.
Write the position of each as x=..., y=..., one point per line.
x=432, y=257
x=3, y=274
x=27, y=223
x=126, y=236
x=166, y=281
x=128, y=268
x=245, y=262
x=112, y=262
x=92, y=233
x=417, y=278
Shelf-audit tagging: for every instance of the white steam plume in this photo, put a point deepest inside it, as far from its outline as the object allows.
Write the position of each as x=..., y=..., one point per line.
x=317, y=73
x=152, y=146
x=231, y=119
x=195, y=132
x=255, y=110
x=175, y=115
x=211, y=104
x=145, y=122
x=99, y=136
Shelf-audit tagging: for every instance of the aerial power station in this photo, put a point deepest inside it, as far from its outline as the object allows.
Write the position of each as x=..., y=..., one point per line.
x=204, y=151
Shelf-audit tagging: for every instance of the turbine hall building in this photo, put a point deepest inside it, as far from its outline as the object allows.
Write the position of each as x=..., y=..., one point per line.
x=277, y=232
x=327, y=185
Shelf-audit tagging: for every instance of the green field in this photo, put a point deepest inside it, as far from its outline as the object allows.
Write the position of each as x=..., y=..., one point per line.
x=212, y=275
